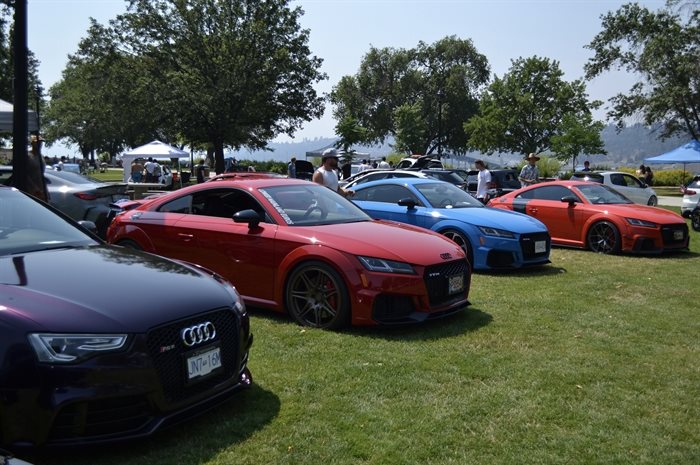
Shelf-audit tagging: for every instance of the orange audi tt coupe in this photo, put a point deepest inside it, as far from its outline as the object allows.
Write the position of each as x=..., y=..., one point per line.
x=589, y=215
x=295, y=246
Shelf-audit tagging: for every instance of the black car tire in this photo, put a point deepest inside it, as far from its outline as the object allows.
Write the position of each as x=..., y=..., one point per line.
x=653, y=201
x=603, y=237
x=129, y=244
x=695, y=219
x=316, y=296
x=461, y=241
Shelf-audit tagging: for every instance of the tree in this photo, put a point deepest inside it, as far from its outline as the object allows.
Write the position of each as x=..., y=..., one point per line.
x=396, y=88
x=233, y=74
x=578, y=136
x=350, y=132
x=523, y=110
x=105, y=100
x=664, y=51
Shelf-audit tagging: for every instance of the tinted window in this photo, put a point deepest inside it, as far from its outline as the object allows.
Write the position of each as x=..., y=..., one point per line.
x=631, y=181
x=179, y=205
x=617, y=180
x=553, y=193
x=445, y=195
x=386, y=193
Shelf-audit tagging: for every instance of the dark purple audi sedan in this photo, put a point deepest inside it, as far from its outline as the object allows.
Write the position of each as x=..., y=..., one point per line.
x=100, y=343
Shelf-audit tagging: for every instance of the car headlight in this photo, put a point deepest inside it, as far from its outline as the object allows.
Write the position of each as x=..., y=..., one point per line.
x=486, y=231
x=638, y=222
x=386, y=266
x=67, y=348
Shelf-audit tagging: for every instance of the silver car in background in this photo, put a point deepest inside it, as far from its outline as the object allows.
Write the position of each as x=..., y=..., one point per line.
x=626, y=184
x=80, y=197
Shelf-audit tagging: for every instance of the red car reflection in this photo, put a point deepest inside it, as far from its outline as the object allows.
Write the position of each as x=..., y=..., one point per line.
x=589, y=215
x=295, y=246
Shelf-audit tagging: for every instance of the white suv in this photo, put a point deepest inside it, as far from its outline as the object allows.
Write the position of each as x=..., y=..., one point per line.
x=691, y=196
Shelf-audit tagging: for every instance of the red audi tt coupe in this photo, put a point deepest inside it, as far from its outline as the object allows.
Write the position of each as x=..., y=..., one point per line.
x=292, y=245
x=590, y=215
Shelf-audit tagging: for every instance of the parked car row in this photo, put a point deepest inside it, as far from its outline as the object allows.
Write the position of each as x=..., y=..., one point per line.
x=128, y=364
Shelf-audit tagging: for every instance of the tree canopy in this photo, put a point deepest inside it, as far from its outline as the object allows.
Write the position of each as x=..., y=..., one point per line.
x=522, y=111
x=215, y=74
x=229, y=73
x=419, y=96
x=663, y=49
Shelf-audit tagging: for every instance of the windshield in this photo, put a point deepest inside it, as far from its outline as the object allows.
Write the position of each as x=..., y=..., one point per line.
x=444, y=195
x=446, y=176
x=311, y=205
x=600, y=194
x=26, y=226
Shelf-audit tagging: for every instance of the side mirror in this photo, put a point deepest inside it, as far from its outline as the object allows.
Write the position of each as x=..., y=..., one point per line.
x=407, y=202
x=570, y=199
x=89, y=225
x=249, y=216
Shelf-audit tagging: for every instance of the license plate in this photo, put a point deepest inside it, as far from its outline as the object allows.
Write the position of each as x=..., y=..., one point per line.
x=677, y=235
x=455, y=284
x=204, y=363
x=540, y=246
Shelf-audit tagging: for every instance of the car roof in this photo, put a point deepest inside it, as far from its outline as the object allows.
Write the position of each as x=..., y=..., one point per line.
x=411, y=181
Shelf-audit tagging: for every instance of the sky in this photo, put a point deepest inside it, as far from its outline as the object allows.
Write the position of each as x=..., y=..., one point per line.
x=342, y=31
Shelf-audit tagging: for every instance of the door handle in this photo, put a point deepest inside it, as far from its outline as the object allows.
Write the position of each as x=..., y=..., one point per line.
x=185, y=237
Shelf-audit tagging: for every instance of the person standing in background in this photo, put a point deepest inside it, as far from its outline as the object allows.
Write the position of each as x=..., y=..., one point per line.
x=292, y=168
x=529, y=174
x=483, y=181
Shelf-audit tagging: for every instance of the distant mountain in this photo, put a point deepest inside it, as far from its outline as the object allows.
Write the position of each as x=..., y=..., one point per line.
x=627, y=147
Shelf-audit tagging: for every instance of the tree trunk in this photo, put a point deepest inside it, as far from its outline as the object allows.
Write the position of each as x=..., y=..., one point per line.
x=219, y=157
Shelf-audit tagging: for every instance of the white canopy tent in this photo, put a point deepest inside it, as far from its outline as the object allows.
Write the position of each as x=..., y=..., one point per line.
x=155, y=149
x=6, y=123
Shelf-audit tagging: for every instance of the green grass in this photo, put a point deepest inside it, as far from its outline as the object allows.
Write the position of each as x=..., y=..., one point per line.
x=593, y=359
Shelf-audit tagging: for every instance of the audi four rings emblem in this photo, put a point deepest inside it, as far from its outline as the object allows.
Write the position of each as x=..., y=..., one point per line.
x=197, y=334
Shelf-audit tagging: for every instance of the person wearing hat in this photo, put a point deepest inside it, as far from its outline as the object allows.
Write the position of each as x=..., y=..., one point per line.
x=529, y=173
x=327, y=173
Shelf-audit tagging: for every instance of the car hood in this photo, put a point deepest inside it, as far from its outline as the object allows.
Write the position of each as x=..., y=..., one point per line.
x=493, y=218
x=103, y=289
x=381, y=239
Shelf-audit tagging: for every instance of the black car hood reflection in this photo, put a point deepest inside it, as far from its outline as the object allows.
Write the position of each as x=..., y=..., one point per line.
x=103, y=288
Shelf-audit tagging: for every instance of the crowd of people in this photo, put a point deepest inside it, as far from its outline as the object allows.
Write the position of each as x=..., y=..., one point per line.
x=149, y=171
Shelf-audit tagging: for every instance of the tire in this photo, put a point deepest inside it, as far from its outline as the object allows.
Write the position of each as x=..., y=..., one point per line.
x=462, y=241
x=653, y=201
x=129, y=244
x=603, y=237
x=695, y=219
x=316, y=296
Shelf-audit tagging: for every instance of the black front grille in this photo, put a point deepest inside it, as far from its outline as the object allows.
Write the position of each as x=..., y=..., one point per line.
x=668, y=234
x=171, y=363
x=101, y=417
x=437, y=281
x=527, y=245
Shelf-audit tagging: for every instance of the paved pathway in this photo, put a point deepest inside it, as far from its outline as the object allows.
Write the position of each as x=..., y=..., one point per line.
x=670, y=201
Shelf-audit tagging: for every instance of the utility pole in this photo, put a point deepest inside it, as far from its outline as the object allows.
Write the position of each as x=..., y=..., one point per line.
x=20, y=170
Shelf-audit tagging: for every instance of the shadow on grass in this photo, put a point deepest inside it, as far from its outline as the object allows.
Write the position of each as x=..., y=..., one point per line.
x=544, y=270
x=470, y=319
x=197, y=440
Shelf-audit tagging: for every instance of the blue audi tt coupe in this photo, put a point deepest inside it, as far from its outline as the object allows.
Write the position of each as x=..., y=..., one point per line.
x=491, y=238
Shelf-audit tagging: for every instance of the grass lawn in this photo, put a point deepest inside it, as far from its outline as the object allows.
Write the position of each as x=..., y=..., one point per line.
x=593, y=359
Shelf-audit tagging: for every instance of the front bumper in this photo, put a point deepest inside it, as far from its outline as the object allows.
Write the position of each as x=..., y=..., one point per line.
x=121, y=396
